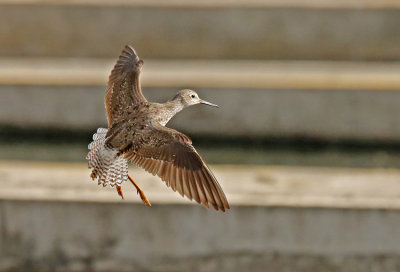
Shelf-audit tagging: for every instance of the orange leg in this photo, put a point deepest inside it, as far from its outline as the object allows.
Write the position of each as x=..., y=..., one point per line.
x=119, y=190
x=140, y=192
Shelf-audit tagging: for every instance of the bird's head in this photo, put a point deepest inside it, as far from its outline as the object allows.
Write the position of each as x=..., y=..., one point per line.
x=189, y=98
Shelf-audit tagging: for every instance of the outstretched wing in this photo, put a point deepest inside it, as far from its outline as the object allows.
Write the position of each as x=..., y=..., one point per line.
x=124, y=90
x=169, y=154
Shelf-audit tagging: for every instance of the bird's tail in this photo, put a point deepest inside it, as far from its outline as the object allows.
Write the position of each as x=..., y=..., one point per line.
x=108, y=168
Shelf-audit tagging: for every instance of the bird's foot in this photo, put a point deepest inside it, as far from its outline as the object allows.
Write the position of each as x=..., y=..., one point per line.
x=140, y=192
x=119, y=191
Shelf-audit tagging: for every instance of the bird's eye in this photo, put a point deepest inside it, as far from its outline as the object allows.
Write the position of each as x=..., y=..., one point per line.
x=193, y=96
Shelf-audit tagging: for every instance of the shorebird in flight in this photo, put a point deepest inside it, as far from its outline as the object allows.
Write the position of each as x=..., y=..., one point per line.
x=137, y=133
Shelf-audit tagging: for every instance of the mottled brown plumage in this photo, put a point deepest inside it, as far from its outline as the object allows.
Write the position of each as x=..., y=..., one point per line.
x=137, y=133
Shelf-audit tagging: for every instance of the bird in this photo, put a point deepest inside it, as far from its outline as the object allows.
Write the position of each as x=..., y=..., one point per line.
x=137, y=133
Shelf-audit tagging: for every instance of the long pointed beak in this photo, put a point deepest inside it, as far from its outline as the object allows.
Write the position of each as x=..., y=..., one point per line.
x=208, y=103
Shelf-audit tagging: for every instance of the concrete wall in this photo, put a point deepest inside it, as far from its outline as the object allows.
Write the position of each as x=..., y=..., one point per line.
x=53, y=236
x=54, y=218
x=321, y=114
x=219, y=32
x=307, y=31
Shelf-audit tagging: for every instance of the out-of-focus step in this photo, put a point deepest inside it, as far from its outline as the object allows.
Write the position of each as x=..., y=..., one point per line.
x=282, y=219
x=323, y=100
x=273, y=186
x=240, y=29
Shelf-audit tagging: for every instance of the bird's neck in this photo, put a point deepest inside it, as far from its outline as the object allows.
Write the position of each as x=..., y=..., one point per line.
x=170, y=108
x=174, y=106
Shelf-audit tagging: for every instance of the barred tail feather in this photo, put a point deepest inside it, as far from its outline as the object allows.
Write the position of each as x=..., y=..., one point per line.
x=108, y=168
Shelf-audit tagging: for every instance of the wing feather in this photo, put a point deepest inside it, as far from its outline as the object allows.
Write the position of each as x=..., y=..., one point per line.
x=169, y=154
x=124, y=91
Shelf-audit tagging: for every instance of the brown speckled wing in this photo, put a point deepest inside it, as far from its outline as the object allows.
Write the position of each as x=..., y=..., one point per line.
x=169, y=154
x=124, y=90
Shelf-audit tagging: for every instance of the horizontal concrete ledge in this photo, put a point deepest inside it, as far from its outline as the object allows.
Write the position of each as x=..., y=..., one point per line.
x=300, y=187
x=209, y=74
x=320, y=4
x=199, y=33
x=55, y=236
x=54, y=219
x=357, y=115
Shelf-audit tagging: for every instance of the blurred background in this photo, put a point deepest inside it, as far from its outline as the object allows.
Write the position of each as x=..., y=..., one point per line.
x=306, y=143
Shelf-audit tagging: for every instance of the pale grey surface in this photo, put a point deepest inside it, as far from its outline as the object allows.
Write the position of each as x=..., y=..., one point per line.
x=321, y=114
x=244, y=185
x=282, y=219
x=246, y=74
x=268, y=33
